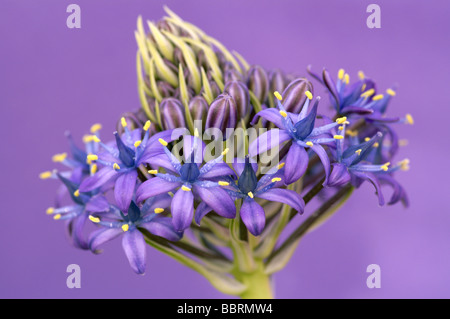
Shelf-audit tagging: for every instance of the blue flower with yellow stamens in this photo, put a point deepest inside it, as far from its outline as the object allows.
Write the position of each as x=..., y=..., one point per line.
x=298, y=128
x=192, y=180
x=116, y=223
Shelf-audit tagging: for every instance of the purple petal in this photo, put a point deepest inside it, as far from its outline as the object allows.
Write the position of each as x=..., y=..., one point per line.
x=271, y=114
x=374, y=180
x=101, y=236
x=124, y=189
x=253, y=216
x=339, y=175
x=399, y=193
x=188, y=147
x=182, y=208
x=267, y=141
x=159, y=201
x=320, y=151
x=218, y=199
x=220, y=169
x=153, y=187
x=201, y=211
x=161, y=160
x=356, y=109
x=101, y=177
x=97, y=204
x=163, y=227
x=153, y=147
x=79, y=239
x=286, y=196
x=239, y=164
x=296, y=163
x=133, y=244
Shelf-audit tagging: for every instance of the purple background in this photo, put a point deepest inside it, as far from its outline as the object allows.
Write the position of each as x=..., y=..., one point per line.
x=53, y=78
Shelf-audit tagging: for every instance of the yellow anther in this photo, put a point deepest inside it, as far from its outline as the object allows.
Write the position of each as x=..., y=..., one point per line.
x=346, y=78
x=404, y=165
x=385, y=167
x=351, y=133
x=185, y=188
x=283, y=114
x=95, y=128
x=76, y=193
x=250, y=194
x=59, y=157
x=225, y=151
x=391, y=92
x=276, y=179
x=92, y=157
x=153, y=171
x=94, y=168
x=358, y=152
x=409, y=119
x=147, y=125
x=137, y=143
x=123, y=121
x=196, y=132
x=221, y=183
x=340, y=128
x=94, y=219
x=363, y=88
x=341, y=73
x=341, y=120
x=278, y=95
x=338, y=137
x=158, y=210
x=91, y=138
x=368, y=93
x=367, y=139
x=309, y=95
x=281, y=165
x=116, y=166
x=57, y=216
x=50, y=211
x=377, y=97
x=125, y=227
x=361, y=75
x=376, y=144
x=163, y=143
x=45, y=175
x=309, y=143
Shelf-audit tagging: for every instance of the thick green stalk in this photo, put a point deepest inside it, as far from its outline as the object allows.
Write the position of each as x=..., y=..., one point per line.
x=257, y=282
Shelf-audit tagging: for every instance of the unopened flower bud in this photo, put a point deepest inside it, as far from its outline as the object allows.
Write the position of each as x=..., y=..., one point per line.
x=294, y=95
x=172, y=114
x=198, y=107
x=258, y=82
x=232, y=75
x=222, y=113
x=239, y=92
x=165, y=89
x=277, y=81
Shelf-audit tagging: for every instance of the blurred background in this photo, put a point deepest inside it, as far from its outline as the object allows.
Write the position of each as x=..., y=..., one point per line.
x=54, y=79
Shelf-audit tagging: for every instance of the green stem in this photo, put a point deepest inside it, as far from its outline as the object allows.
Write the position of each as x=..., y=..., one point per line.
x=257, y=282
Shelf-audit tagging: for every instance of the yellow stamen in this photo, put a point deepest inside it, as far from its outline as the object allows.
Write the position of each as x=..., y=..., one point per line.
x=250, y=194
x=281, y=165
x=340, y=128
x=283, y=114
x=409, y=119
x=95, y=128
x=94, y=168
x=376, y=144
x=341, y=73
x=309, y=143
x=404, y=165
x=185, y=188
x=377, y=97
x=163, y=143
x=221, y=183
x=147, y=125
x=123, y=121
x=45, y=175
x=391, y=92
x=385, y=166
x=346, y=78
x=153, y=171
x=338, y=137
x=363, y=88
x=76, y=193
x=125, y=227
x=225, y=152
x=367, y=139
x=137, y=143
x=91, y=138
x=50, y=211
x=59, y=157
x=278, y=95
x=92, y=157
x=309, y=95
x=358, y=152
x=158, y=210
x=368, y=93
x=276, y=179
x=94, y=219
x=116, y=166
x=351, y=133
x=341, y=120
x=57, y=216
x=361, y=75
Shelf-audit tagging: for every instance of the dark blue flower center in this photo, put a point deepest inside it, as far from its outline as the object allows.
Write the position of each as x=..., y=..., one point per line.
x=189, y=172
x=134, y=213
x=126, y=154
x=247, y=181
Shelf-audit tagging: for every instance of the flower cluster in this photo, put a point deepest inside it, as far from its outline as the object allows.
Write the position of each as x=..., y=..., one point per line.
x=152, y=182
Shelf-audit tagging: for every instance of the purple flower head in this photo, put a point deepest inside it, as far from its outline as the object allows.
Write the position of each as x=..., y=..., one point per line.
x=298, y=128
x=116, y=223
x=248, y=187
x=121, y=160
x=192, y=180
